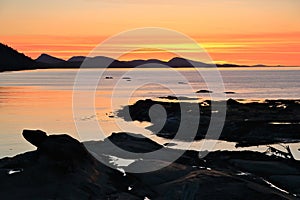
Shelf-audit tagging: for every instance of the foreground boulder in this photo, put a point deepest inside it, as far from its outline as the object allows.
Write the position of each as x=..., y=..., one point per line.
x=58, y=147
x=61, y=168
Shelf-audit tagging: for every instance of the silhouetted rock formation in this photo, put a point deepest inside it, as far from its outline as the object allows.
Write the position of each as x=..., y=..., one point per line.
x=247, y=124
x=58, y=147
x=229, y=92
x=61, y=168
x=204, y=91
x=36, y=137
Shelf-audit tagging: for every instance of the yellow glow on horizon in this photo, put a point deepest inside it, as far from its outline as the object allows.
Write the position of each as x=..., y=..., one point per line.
x=233, y=31
x=244, y=50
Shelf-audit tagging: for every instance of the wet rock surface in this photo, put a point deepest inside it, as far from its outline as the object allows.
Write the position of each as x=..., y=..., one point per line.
x=61, y=168
x=247, y=124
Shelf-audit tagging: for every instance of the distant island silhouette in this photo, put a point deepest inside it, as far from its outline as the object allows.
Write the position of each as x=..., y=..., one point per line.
x=12, y=60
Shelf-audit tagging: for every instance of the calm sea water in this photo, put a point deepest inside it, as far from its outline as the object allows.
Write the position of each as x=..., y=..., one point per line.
x=42, y=99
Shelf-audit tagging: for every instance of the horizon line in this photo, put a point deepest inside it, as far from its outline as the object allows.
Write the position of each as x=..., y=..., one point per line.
x=153, y=58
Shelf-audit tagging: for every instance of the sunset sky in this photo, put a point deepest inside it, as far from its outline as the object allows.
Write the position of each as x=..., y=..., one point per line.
x=232, y=31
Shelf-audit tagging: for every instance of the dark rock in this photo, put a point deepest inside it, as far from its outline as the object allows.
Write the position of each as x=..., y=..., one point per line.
x=61, y=168
x=133, y=142
x=178, y=98
x=42, y=174
x=169, y=144
x=169, y=97
x=204, y=91
x=192, y=178
x=232, y=102
x=58, y=147
x=248, y=124
x=35, y=137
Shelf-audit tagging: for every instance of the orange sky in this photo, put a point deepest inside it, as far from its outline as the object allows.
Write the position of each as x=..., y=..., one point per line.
x=232, y=31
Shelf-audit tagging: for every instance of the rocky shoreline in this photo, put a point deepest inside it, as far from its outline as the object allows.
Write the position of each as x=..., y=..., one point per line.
x=62, y=168
x=247, y=124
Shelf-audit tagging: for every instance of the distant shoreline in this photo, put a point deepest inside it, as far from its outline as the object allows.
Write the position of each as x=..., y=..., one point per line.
x=12, y=60
x=221, y=67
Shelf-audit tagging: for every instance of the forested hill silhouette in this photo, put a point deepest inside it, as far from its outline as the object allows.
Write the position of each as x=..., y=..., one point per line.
x=47, y=59
x=12, y=60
